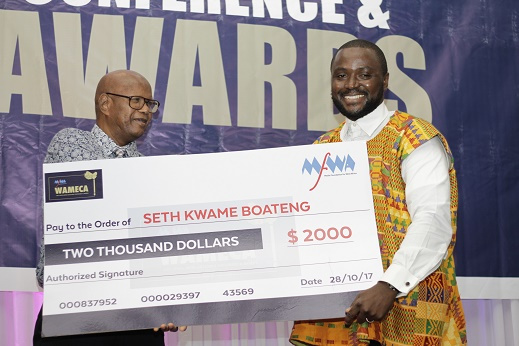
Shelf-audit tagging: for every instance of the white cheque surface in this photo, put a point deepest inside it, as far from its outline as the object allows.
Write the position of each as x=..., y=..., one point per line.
x=273, y=234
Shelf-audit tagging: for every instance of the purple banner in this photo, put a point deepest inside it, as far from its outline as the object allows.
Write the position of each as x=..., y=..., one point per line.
x=236, y=75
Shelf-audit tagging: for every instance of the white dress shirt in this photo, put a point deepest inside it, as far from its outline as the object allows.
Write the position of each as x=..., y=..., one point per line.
x=426, y=175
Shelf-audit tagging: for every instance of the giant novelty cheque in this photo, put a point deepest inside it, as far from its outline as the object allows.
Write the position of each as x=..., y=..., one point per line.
x=271, y=234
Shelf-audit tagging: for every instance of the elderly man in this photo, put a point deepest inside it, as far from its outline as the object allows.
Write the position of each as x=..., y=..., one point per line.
x=416, y=301
x=124, y=107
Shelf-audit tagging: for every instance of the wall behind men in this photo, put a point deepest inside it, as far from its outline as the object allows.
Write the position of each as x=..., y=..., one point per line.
x=249, y=74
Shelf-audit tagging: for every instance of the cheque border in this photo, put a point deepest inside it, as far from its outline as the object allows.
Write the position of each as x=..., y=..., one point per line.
x=260, y=310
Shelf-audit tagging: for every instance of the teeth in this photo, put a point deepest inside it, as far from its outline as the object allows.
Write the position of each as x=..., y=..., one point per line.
x=353, y=97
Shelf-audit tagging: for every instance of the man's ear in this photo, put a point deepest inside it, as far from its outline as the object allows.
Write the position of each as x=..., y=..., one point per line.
x=104, y=103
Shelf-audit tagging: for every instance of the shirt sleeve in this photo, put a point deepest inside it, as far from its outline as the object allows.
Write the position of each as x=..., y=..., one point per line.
x=72, y=144
x=426, y=174
x=39, y=267
x=60, y=149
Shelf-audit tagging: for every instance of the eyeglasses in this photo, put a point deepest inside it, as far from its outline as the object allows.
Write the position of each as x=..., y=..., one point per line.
x=137, y=102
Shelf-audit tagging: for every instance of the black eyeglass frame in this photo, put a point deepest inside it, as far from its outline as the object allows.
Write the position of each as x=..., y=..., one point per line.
x=144, y=103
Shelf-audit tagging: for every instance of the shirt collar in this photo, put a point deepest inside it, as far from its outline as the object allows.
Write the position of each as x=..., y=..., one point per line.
x=107, y=144
x=370, y=122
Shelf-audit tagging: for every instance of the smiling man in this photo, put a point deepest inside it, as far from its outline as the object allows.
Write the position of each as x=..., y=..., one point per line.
x=124, y=107
x=416, y=301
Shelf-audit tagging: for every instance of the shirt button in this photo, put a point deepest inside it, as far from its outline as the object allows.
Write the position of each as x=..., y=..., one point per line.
x=407, y=284
x=354, y=124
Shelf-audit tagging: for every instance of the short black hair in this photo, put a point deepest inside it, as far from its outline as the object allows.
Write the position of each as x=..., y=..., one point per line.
x=359, y=43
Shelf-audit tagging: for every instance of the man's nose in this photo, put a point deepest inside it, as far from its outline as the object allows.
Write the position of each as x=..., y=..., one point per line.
x=145, y=109
x=351, y=82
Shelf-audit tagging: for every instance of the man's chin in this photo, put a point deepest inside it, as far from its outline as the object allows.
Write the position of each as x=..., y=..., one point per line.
x=137, y=133
x=354, y=116
x=360, y=113
x=355, y=113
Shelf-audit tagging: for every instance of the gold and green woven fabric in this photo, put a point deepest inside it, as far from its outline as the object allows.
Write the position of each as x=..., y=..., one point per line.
x=431, y=314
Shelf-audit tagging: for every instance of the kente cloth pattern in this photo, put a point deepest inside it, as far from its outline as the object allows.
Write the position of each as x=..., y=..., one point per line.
x=431, y=314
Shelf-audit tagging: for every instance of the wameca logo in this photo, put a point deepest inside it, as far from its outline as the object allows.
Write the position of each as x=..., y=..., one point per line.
x=73, y=186
x=337, y=166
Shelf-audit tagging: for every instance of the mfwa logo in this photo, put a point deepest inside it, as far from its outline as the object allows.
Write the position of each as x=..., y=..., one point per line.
x=338, y=166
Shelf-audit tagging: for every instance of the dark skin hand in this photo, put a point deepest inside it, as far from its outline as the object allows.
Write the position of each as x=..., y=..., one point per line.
x=170, y=327
x=371, y=305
